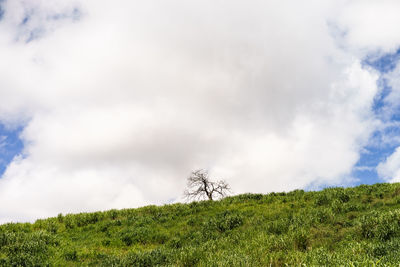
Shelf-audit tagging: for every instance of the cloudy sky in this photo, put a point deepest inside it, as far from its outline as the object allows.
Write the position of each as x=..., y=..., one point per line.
x=111, y=104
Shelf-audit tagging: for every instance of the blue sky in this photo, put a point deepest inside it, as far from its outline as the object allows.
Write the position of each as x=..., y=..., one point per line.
x=377, y=151
x=10, y=146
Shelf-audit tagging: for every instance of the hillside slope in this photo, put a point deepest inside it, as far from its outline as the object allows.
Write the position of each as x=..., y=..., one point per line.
x=354, y=226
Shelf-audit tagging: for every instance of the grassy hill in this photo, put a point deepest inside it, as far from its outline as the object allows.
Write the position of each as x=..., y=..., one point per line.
x=353, y=226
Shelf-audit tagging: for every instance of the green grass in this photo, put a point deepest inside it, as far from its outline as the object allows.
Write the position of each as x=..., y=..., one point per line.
x=335, y=227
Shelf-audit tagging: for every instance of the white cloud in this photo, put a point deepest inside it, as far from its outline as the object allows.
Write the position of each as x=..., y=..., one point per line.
x=393, y=99
x=390, y=168
x=370, y=25
x=121, y=105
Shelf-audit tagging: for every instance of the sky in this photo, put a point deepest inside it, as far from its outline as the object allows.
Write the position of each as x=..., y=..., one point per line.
x=111, y=104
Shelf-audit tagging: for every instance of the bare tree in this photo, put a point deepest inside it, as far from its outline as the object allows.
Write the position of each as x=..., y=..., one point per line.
x=200, y=186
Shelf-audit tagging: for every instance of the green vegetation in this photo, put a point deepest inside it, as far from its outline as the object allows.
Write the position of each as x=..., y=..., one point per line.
x=341, y=227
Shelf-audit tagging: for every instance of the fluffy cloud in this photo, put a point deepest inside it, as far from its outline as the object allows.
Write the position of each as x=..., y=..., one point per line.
x=389, y=169
x=369, y=26
x=121, y=100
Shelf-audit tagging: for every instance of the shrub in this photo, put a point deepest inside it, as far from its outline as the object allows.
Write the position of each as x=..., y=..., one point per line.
x=341, y=195
x=84, y=219
x=154, y=257
x=69, y=221
x=16, y=227
x=337, y=206
x=225, y=221
x=248, y=196
x=388, y=226
x=323, y=215
x=347, y=207
x=321, y=199
x=382, y=226
x=175, y=243
x=60, y=218
x=112, y=214
x=142, y=235
x=278, y=227
x=296, y=195
x=7, y=238
x=331, y=194
x=367, y=225
x=104, y=226
x=28, y=249
x=280, y=243
x=301, y=240
x=71, y=255
x=51, y=225
x=189, y=256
